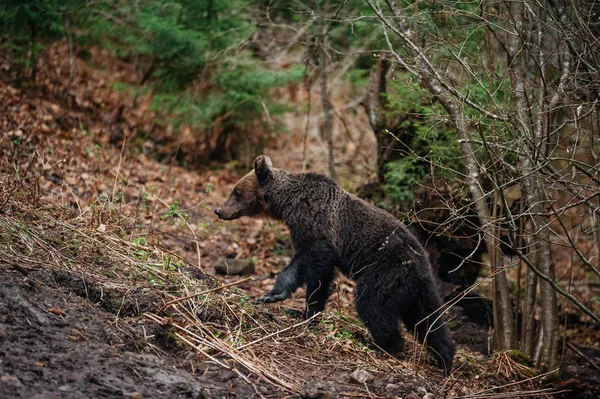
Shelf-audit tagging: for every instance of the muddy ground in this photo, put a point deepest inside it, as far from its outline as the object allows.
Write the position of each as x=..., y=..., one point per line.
x=56, y=344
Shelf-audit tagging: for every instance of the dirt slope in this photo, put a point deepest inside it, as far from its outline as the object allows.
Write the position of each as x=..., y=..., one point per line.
x=56, y=344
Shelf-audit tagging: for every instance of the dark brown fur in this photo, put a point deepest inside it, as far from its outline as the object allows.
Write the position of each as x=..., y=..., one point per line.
x=332, y=228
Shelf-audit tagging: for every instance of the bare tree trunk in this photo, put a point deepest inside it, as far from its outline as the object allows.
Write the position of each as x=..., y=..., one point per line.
x=532, y=183
x=535, y=194
x=375, y=105
x=502, y=311
x=550, y=322
x=322, y=62
x=596, y=158
x=528, y=315
x=327, y=112
x=549, y=305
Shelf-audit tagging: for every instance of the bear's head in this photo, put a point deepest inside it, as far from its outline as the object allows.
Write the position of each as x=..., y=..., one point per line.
x=245, y=199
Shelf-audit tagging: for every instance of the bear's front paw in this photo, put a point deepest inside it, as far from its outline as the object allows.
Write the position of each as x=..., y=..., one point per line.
x=272, y=298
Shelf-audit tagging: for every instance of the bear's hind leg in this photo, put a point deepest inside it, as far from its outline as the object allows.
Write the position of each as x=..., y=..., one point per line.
x=427, y=322
x=383, y=325
x=317, y=292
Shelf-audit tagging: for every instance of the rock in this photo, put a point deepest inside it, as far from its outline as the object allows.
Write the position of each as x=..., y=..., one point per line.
x=421, y=391
x=133, y=395
x=225, y=375
x=242, y=267
x=315, y=393
x=429, y=396
x=10, y=380
x=361, y=376
x=392, y=387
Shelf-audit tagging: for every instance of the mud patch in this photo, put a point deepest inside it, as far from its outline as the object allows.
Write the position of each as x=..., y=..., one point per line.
x=54, y=344
x=124, y=304
x=578, y=377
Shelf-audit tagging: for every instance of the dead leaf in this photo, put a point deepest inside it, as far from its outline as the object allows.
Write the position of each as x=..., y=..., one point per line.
x=57, y=311
x=77, y=335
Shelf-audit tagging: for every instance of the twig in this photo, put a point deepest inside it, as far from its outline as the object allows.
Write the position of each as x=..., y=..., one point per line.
x=515, y=395
x=481, y=393
x=166, y=305
x=557, y=288
x=361, y=395
x=15, y=185
x=164, y=183
x=74, y=198
x=469, y=256
x=222, y=347
x=199, y=349
x=118, y=168
x=418, y=53
x=584, y=357
x=243, y=377
x=278, y=332
x=194, y=235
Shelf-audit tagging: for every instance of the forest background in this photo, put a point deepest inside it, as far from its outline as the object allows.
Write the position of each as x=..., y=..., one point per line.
x=475, y=123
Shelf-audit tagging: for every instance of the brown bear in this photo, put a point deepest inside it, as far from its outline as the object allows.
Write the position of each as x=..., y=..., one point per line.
x=332, y=228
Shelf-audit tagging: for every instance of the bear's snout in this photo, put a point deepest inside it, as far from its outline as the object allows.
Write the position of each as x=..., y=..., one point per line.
x=224, y=214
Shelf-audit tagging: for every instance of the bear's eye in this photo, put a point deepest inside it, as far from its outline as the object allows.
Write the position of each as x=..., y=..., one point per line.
x=236, y=193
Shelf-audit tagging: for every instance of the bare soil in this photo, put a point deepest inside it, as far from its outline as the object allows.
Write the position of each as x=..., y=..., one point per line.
x=56, y=344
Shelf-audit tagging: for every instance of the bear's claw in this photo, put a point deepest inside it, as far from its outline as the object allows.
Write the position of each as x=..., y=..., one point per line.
x=272, y=298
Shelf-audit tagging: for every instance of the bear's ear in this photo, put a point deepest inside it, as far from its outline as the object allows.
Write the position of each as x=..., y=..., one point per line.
x=262, y=168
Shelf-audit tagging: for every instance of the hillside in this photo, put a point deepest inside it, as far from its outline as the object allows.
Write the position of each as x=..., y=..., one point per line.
x=107, y=255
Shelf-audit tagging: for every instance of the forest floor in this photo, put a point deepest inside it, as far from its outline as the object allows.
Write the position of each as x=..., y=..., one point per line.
x=107, y=281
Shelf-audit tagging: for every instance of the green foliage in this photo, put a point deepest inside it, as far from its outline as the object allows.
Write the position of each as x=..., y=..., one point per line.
x=520, y=357
x=453, y=28
x=239, y=94
x=244, y=299
x=27, y=26
x=179, y=38
x=140, y=241
x=349, y=39
x=433, y=143
x=402, y=177
x=194, y=55
x=171, y=264
x=175, y=213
